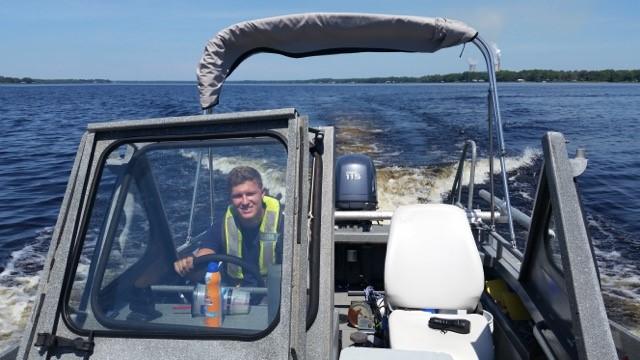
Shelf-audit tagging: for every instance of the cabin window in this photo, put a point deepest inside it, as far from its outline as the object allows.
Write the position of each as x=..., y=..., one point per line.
x=156, y=202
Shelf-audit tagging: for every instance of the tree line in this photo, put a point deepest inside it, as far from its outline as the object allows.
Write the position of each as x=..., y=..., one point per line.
x=536, y=75
x=28, y=80
x=502, y=76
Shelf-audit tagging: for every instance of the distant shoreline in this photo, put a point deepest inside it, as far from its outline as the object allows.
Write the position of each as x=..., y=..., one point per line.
x=541, y=76
x=622, y=76
x=29, y=81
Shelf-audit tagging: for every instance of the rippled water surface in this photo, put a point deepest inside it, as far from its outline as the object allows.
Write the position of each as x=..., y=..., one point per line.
x=413, y=132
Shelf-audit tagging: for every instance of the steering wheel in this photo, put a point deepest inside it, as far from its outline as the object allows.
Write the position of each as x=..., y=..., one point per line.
x=202, y=261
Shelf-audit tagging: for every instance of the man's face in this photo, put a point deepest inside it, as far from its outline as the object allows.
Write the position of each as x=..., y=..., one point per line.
x=246, y=198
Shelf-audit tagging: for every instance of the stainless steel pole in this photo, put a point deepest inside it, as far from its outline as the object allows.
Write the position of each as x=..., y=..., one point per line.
x=488, y=57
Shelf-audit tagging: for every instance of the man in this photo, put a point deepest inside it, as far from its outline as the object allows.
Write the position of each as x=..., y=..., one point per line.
x=250, y=229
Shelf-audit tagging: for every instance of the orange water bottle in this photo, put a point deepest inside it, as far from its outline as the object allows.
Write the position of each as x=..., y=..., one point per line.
x=213, y=297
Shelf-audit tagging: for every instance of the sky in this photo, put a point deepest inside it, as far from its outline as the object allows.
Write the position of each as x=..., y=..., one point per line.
x=163, y=40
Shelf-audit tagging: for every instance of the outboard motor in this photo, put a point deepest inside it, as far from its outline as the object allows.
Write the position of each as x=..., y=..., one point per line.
x=357, y=264
x=355, y=183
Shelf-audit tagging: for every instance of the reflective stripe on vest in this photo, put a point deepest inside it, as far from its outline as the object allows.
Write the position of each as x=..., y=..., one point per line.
x=268, y=237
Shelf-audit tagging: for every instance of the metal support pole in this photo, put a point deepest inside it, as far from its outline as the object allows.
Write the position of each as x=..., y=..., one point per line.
x=211, y=197
x=491, y=182
x=457, y=182
x=193, y=198
x=472, y=175
x=495, y=107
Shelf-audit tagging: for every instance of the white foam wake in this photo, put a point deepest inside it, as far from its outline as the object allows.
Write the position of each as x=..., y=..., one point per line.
x=402, y=185
x=273, y=175
x=18, y=290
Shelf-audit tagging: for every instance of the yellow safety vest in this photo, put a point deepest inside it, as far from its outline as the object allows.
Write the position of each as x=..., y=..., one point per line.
x=268, y=237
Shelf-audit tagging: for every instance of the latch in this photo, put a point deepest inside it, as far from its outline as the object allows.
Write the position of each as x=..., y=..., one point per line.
x=47, y=342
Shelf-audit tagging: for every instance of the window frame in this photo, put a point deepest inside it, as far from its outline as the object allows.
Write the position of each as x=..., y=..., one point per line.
x=149, y=330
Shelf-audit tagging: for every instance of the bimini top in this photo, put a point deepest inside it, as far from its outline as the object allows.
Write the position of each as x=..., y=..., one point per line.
x=315, y=34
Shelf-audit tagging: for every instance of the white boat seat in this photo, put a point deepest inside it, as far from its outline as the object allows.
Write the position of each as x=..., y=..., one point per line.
x=410, y=331
x=361, y=353
x=432, y=262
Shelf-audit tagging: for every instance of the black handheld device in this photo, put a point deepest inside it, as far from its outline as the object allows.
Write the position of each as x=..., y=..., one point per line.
x=460, y=326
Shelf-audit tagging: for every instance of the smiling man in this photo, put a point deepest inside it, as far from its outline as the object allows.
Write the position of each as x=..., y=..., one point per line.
x=251, y=229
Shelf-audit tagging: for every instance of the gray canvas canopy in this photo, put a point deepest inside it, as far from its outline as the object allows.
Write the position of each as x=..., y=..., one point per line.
x=304, y=35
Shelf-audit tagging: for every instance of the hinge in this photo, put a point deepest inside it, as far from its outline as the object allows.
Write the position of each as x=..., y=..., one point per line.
x=47, y=342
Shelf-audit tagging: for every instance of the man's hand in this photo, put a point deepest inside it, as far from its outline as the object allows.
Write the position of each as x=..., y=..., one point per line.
x=185, y=265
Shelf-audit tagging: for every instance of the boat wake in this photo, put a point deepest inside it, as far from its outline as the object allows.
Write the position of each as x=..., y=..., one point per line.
x=273, y=175
x=431, y=184
x=18, y=287
x=619, y=273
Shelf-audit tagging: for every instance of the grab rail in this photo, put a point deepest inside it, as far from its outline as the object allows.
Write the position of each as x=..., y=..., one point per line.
x=519, y=217
x=457, y=182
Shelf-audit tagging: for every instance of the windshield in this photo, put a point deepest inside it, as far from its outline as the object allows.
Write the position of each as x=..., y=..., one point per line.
x=158, y=203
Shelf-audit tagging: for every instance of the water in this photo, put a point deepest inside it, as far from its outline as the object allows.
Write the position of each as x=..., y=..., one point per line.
x=403, y=127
